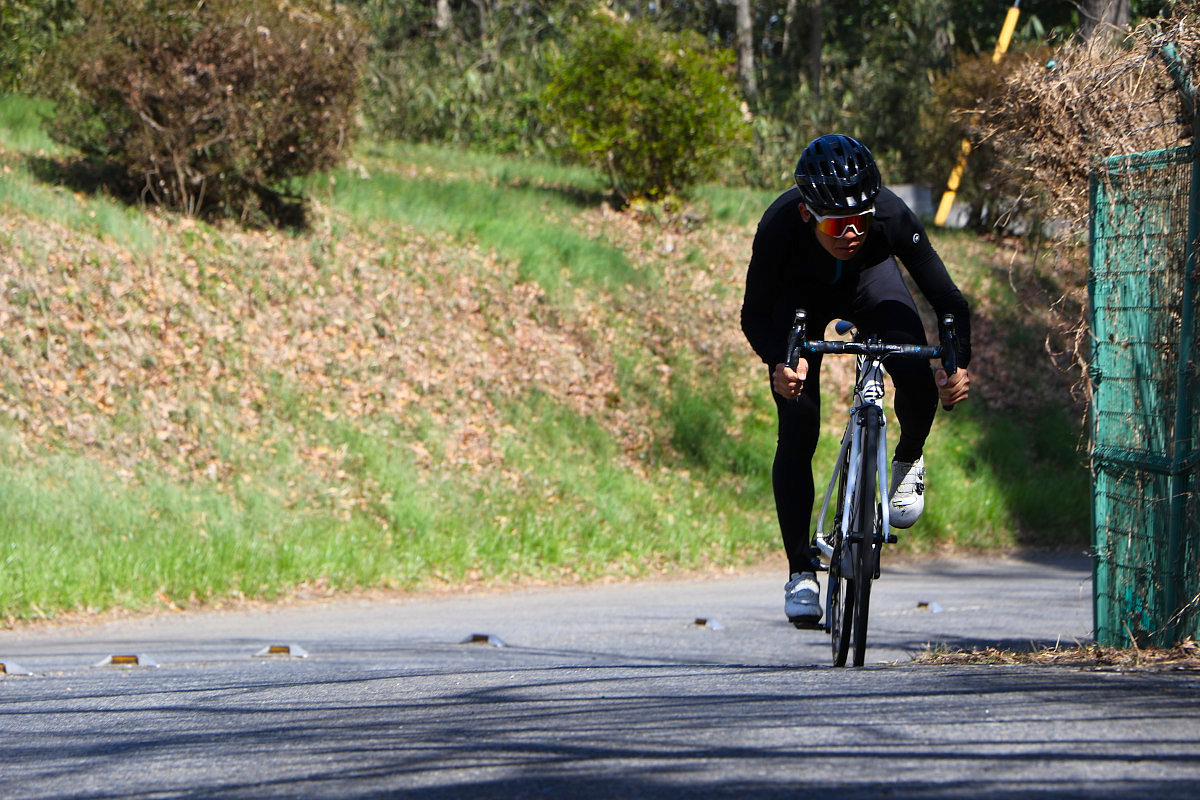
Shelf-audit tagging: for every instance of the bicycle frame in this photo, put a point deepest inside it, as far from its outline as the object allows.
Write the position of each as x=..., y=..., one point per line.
x=867, y=410
x=851, y=552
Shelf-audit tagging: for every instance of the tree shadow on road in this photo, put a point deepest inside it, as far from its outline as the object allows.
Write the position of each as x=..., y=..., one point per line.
x=432, y=729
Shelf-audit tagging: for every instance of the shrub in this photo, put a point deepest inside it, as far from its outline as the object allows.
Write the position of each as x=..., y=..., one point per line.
x=208, y=108
x=475, y=83
x=993, y=192
x=27, y=28
x=658, y=112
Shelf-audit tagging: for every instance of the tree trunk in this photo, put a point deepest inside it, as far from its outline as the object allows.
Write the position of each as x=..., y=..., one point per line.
x=815, y=39
x=442, y=18
x=745, y=51
x=1099, y=16
x=789, y=19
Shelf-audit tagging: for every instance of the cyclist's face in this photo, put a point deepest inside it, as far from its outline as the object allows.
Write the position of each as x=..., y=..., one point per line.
x=843, y=247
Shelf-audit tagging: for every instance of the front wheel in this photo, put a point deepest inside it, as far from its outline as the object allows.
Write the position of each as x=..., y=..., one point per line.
x=864, y=548
x=861, y=604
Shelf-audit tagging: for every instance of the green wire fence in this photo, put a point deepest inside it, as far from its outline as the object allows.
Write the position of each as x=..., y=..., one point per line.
x=1145, y=499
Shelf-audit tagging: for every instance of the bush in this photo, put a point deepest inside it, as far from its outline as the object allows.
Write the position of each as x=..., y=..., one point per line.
x=208, y=108
x=658, y=112
x=994, y=193
x=27, y=28
x=475, y=83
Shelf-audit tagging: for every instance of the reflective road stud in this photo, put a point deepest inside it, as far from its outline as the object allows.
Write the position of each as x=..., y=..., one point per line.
x=12, y=668
x=281, y=651
x=484, y=638
x=128, y=661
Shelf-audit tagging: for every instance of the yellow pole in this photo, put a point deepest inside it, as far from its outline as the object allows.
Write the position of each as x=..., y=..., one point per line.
x=952, y=184
x=1010, y=25
x=1006, y=33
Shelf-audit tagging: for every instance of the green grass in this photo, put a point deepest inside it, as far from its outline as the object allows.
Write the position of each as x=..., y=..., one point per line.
x=523, y=223
x=23, y=147
x=563, y=504
x=101, y=218
x=585, y=513
x=75, y=537
x=734, y=206
x=21, y=128
x=1003, y=481
x=521, y=210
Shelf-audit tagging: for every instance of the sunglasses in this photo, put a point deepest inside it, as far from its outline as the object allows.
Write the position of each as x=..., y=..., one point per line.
x=841, y=227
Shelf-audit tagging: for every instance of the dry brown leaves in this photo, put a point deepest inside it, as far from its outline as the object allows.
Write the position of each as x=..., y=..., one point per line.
x=153, y=362
x=1053, y=125
x=1095, y=99
x=1184, y=657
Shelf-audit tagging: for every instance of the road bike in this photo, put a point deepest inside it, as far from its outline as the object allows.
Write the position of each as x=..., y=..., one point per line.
x=850, y=551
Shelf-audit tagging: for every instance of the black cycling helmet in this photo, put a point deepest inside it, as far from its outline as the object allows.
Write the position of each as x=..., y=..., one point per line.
x=837, y=173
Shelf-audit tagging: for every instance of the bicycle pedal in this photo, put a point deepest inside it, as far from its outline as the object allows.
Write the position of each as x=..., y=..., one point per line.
x=890, y=538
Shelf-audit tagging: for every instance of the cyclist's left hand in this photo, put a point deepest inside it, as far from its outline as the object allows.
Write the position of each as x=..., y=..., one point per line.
x=952, y=389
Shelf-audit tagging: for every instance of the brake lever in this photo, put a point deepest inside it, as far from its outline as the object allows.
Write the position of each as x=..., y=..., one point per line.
x=949, y=349
x=796, y=339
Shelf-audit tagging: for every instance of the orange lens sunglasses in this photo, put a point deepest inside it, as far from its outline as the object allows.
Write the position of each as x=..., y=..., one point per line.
x=840, y=227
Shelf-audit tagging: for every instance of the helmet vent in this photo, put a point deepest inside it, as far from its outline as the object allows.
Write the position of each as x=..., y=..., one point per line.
x=837, y=173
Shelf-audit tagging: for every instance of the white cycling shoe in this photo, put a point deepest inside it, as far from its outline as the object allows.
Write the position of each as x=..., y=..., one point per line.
x=907, y=492
x=801, y=600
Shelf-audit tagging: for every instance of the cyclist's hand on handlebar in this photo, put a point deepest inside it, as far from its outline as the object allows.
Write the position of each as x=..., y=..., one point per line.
x=952, y=389
x=787, y=382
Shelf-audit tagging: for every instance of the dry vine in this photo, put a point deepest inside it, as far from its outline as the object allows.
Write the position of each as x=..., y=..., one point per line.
x=1057, y=119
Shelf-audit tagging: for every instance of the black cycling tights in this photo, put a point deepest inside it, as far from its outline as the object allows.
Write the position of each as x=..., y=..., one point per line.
x=894, y=320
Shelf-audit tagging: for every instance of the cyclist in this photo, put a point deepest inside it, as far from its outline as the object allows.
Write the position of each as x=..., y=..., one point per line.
x=829, y=245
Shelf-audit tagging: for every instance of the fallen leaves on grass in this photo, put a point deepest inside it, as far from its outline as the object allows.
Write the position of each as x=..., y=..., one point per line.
x=1185, y=656
x=202, y=357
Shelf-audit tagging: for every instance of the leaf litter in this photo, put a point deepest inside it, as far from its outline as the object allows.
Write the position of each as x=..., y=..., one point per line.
x=164, y=362
x=1183, y=657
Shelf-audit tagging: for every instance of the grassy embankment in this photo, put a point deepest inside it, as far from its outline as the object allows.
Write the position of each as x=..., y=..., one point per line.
x=466, y=371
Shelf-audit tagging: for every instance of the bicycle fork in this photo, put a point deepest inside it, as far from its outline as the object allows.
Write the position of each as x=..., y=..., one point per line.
x=862, y=414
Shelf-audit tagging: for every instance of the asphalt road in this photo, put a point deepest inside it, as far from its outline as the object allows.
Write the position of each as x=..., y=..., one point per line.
x=673, y=688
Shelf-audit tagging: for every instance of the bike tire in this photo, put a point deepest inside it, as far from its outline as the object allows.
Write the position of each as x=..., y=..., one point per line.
x=865, y=549
x=862, y=608
x=841, y=587
x=841, y=612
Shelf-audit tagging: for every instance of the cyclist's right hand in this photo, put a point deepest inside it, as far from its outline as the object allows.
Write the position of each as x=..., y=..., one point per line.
x=788, y=382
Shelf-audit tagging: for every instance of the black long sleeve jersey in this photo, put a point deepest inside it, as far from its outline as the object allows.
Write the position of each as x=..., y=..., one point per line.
x=789, y=269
